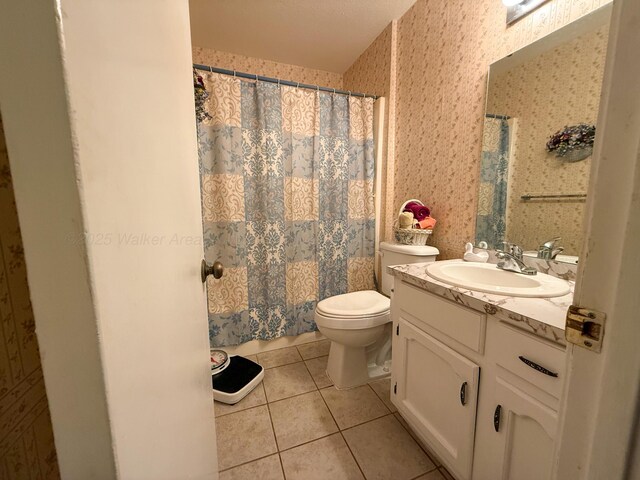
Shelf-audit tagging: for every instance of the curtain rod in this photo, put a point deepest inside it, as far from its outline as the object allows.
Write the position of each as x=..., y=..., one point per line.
x=499, y=117
x=288, y=83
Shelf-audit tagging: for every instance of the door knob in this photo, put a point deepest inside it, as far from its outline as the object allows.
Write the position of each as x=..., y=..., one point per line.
x=217, y=269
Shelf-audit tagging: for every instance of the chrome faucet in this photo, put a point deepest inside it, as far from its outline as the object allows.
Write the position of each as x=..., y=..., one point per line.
x=512, y=249
x=512, y=260
x=548, y=251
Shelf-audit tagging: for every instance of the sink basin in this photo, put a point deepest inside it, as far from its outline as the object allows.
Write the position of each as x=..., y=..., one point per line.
x=488, y=278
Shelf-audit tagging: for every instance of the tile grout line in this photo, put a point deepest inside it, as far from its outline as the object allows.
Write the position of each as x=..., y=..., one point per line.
x=242, y=409
x=443, y=469
x=297, y=347
x=275, y=437
x=378, y=397
x=248, y=461
x=280, y=365
x=418, y=442
x=284, y=474
x=339, y=429
x=334, y=433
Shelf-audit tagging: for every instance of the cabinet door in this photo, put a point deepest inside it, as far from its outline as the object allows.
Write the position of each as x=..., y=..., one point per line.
x=436, y=392
x=525, y=435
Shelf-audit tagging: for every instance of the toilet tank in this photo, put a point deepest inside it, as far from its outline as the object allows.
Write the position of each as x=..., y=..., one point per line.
x=397, y=254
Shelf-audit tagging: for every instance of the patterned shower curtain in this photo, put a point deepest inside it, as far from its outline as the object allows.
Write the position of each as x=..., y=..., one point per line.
x=491, y=220
x=287, y=203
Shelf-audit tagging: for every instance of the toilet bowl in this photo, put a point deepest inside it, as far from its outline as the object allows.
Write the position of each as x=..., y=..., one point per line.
x=358, y=325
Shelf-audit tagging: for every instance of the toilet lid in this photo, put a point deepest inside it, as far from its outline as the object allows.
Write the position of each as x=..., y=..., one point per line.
x=355, y=304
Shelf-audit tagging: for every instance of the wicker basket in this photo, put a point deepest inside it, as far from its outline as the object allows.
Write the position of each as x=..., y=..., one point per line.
x=411, y=236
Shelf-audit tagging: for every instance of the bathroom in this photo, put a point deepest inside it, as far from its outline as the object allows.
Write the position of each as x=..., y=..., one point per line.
x=470, y=370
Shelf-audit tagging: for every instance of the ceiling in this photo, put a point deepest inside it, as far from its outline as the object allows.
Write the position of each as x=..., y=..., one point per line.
x=323, y=34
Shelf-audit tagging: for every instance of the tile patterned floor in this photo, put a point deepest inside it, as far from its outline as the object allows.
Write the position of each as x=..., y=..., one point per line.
x=296, y=425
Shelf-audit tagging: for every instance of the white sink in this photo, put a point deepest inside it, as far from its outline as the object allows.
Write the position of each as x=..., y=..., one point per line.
x=488, y=278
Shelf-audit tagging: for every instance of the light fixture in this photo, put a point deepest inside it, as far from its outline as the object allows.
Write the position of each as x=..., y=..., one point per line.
x=512, y=3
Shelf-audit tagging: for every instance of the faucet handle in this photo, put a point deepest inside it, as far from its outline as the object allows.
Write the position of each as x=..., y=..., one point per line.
x=516, y=251
x=507, y=246
x=551, y=243
x=513, y=249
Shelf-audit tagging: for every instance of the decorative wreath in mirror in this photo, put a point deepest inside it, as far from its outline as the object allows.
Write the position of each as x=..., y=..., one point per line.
x=573, y=143
x=201, y=96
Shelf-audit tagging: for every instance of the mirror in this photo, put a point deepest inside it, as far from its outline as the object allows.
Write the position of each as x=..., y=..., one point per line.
x=529, y=195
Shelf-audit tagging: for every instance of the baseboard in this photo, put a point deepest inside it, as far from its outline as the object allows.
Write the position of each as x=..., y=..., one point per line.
x=258, y=346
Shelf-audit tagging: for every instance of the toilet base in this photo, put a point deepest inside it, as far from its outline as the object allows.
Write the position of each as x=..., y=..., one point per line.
x=350, y=367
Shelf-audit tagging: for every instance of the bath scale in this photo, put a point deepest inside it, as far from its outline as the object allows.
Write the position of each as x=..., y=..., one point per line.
x=233, y=377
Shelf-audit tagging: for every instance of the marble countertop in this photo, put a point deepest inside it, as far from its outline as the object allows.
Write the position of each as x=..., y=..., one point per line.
x=544, y=317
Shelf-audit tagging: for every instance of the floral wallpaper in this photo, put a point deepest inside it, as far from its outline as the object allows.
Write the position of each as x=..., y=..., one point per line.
x=443, y=53
x=432, y=65
x=374, y=72
x=26, y=437
x=557, y=88
x=267, y=68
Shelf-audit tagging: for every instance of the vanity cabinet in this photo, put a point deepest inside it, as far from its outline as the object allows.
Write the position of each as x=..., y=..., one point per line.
x=440, y=398
x=483, y=395
x=524, y=431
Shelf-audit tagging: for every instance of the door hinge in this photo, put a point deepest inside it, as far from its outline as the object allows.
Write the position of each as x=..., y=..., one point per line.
x=585, y=327
x=395, y=388
x=397, y=329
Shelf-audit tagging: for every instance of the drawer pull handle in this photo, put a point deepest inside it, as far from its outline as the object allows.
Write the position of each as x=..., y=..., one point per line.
x=537, y=367
x=496, y=418
x=463, y=394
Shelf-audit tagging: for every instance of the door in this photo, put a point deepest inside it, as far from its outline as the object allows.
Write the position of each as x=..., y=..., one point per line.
x=600, y=403
x=523, y=435
x=436, y=392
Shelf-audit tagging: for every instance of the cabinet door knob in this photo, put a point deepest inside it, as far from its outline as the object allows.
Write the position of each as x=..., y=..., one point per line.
x=463, y=393
x=217, y=269
x=496, y=418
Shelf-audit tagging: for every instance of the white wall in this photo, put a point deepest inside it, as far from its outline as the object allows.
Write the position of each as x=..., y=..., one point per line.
x=123, y=329
x=38, y=133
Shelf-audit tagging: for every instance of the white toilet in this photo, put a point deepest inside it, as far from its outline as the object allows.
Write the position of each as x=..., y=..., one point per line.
x=359, y=323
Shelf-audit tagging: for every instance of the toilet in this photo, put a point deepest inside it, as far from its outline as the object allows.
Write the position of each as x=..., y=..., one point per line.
x=358, y=324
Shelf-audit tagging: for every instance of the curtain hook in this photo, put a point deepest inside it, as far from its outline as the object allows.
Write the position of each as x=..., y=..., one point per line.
x=297, y=84
x=334, y=91
x=256, y=78
x=234, y=74
x=210, y=69
x=349, y=92
x=278, y=82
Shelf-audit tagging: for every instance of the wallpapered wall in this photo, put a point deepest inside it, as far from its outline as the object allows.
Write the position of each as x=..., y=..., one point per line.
x=433, y=67
x=444, y=50
x=560, y=87
x=266, y=68
x=374, y=72
x=26, y=437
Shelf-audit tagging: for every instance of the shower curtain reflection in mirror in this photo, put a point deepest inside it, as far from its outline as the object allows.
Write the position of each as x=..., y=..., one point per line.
x=491, y=219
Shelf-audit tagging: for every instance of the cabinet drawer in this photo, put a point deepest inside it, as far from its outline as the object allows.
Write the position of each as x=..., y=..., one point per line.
x=457, y=322
x=533, y=360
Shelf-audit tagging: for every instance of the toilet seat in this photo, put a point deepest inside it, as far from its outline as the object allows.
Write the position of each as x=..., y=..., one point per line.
x=352, y=311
